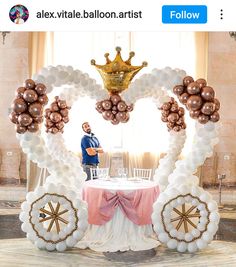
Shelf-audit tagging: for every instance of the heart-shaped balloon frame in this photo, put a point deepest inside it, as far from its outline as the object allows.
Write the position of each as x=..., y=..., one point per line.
x=175, y=177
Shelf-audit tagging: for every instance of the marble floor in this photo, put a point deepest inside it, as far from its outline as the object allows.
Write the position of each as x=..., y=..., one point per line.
x=20, y=252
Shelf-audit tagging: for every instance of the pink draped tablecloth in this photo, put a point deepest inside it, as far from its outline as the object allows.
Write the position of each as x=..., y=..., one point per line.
x=135, y=201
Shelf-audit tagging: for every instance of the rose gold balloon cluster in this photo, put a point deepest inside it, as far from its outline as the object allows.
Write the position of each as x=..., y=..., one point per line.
x=114, y=109
x=56, y=116
x=173, y=115
x=28, y=106
x=199, y=99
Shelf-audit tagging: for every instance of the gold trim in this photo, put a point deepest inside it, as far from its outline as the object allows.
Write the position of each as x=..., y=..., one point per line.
x=53, y=217
x=184, y=218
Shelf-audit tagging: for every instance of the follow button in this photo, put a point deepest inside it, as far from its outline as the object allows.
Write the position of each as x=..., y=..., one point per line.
x=184, y=14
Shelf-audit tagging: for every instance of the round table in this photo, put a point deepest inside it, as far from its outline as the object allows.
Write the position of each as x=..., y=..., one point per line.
x=119, y=215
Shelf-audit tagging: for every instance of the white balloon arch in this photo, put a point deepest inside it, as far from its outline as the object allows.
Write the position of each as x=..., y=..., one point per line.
x=197, y=217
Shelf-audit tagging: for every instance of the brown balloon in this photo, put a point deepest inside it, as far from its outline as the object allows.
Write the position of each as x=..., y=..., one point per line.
x=180, y=121
x=165, y=112
x=29, y=84
x=217, y=104
x=33, y=127
x=170, y=125
x=173, y=117
x=47, y=112
x=166, y=106
x=164, y=118
x=36, y=109
x=20, y=92
x=130, y=107
x=25, y=119
x=49, y=123
x=194, y=113
x=208, y=93
x=43, y=99
x=30, y=95
x=203, y=119
x=115, y=99
x=181, y=111
x=193, y=88
x=106, y=104
x=54, y=106
x=194, y=102
x=20, y=129
x=174, y=107
x=40, y=89
x=60, y=125
x=14, y=117
x=187, y=80
x=215, y=117
x=64, y=112
x=114, y=121
x=183, y=126
x=65, y=119
x=55, y=117
x=53, y=130
x=202, y=82
x=107, y=115
x=38, y=119
x=208, y=108
x=121, y=106
x=177, y=128
x=61, y=104
x=121, y=116
x=178, y=89
x=19, y=105
x=184, y=98
x=114, y=112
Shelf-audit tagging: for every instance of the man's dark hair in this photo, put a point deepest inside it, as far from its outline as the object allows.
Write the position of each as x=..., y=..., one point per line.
x=83, y=124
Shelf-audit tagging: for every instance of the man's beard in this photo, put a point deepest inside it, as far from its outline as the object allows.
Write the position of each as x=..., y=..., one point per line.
x=88, y=131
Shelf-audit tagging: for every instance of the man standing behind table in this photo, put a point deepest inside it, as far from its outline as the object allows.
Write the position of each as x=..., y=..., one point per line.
x=90, y=147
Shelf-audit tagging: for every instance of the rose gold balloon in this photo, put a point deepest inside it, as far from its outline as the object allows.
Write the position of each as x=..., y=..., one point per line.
x=61, y=103
x=130, y=107
x=180, y=121
x=19, y=105
x=107, y=115
x=38, y=119
x=121, y=116
x=47, y=112
x=24, y=119
x=121, y=106
x=187, y=80
x=174, y=107
x=166, y=106
x=181, y=111
x=107, y=104
x=33, y=127
x=127, y=117
x=20, y=91
x=165, y=112
x=183, y=126
x=59, y=125
x=194, y=102
x=178, y=89
x=53, y=130
x=215, y=117
x=208, y=93
x=20, y=129
x=177, y=128
x=208, y=108
x=65, y=119
x=49, y=123
x=164, y=118
x=55, y=117
x=114, y=112
x=43, y=99
x=184, y=98
x=170, y=125
x=30, y=96
x=115, y=99
x=54, y=106
x=29, y=84
x=36, y=109
x=173, y=117
x=172, y=100
x=40, y=89
x=64, y=112
x=202, y=82
x=193, y=88
x=217, y=104
x=194, y=113
x=203, y=119
x=13, y=117
x=114, y=121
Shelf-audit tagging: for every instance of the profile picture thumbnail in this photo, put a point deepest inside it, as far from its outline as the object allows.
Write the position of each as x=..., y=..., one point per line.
x=19, y=14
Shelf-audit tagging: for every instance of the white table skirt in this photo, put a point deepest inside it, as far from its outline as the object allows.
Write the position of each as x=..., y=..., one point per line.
x=119, y=234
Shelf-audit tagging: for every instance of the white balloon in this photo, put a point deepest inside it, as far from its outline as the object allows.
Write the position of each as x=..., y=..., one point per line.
x=172, y=244
x=50, y=246
x=61, y=246
x=70, y=241
x=182, y=247
x=163, y=237
x=192, y=247
x=201, y=244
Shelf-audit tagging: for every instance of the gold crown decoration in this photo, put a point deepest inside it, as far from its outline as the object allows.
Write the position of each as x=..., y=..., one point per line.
x=117, y=74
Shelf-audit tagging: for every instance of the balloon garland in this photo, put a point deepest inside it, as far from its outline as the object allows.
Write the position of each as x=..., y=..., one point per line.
x=182, y=198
